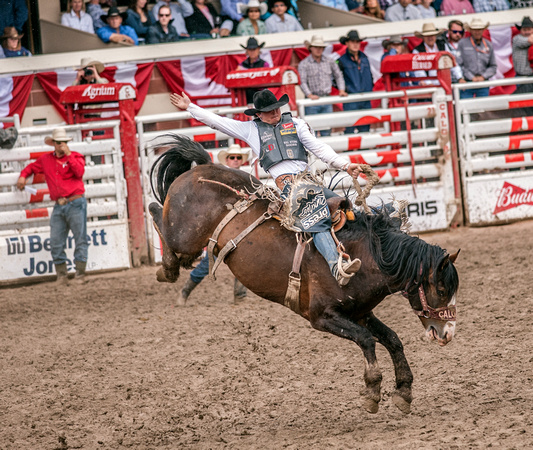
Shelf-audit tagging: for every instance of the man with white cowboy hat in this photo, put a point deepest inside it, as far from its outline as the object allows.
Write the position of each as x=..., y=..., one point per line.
x=234, y=157
x=283, y=143
x=316, y=74
x=521, y=46
x=476, y=58
x=63, y=171
x=252, y=23
x=430, y=44
x=89, y=72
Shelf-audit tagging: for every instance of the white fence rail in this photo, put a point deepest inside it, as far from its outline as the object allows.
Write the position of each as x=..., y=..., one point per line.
x=495, y=145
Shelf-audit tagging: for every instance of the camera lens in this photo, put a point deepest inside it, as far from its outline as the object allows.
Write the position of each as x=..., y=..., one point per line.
x=87, y=72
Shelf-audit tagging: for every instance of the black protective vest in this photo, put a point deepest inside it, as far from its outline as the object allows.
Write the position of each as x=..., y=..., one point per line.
x=280, y=142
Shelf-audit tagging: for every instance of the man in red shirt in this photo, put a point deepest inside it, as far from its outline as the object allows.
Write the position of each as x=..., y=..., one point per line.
x=63, y=171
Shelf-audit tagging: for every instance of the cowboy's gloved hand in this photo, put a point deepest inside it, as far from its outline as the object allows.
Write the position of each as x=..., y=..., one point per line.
x=354, y=170
x=180, y=101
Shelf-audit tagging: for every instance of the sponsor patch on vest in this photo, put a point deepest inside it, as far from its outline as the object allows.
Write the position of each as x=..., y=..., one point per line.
x=288, y=131
x=288, y=125
x=266, y=136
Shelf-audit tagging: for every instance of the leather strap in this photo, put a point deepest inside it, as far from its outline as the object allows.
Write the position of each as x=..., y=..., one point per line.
x=232, y=243
x=237, y=208
x=292, y=297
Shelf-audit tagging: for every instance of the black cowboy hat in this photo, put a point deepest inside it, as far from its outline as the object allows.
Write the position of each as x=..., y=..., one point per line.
x=526, y=22
x=265, y=101
x=351, y=36
x=112, y=12
x=252, y=44
x=271, y=3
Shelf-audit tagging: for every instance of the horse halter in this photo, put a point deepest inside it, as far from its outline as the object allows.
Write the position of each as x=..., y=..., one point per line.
x=446, y=313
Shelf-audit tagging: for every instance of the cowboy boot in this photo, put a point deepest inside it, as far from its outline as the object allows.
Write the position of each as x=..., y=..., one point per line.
x=346, y=270
x=80, y=278
x=62, y=274
x=239, y=292
x=186, y=291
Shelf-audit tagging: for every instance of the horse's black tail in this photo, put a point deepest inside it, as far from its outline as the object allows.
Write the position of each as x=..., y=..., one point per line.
x=181, y=153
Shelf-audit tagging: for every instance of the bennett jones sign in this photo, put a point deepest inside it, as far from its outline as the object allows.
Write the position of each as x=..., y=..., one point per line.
x=28, y=255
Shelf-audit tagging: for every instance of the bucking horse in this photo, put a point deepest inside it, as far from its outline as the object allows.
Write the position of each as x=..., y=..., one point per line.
x=204, y=204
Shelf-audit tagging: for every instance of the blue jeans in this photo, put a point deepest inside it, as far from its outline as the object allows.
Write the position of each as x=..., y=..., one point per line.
x=320, y=109
x=471, y=93
x=326, y=246
x=73, y=217
x=353, y=107
x=201, y=270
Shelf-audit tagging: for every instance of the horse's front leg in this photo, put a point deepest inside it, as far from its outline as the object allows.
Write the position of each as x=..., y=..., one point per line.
x=402, y=397
x=335, y=323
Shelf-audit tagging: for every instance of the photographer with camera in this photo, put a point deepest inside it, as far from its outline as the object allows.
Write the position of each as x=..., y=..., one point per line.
x=89, y=72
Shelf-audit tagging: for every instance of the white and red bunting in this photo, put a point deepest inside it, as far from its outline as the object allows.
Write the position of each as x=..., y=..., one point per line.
x=14, y=94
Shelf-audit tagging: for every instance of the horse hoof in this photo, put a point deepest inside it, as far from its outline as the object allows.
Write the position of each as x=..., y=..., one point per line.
x=401, y=404
x=370, y=405
x=160, y=275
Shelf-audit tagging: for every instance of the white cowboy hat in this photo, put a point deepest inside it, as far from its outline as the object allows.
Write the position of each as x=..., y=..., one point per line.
x=59, y=134
x=429, y=29
x=244, y=7
x=476, y=24
x=233, y=149
x=88, y=61
x=316, y=41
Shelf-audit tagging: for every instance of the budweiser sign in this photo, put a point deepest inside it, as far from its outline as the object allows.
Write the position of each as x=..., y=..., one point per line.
x=100, y=90
x=512, y=196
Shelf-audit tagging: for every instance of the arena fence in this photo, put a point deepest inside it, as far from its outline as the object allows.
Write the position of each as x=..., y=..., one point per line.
x=24, y=217
x=495, y=143
x=414, y=161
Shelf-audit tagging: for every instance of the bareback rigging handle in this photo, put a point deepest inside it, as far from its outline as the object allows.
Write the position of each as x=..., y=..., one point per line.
x=371, y=180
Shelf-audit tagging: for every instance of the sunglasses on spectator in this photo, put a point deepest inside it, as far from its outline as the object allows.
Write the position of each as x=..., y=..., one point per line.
x=232, y=157
x=59, y=142
x=164, y=15
x=253, y=10
x=457, y=31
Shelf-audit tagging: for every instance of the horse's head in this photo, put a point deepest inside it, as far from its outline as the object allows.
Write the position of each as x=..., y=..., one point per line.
x=433, y=300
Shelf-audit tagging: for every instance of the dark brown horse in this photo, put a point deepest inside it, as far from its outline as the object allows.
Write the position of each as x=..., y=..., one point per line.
x=392, y=261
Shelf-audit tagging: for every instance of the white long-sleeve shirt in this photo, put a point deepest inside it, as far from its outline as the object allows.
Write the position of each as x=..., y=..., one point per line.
x=83, y=23
x=248, y=132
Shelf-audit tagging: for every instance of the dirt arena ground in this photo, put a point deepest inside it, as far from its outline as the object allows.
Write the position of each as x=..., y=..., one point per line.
x=115, y=364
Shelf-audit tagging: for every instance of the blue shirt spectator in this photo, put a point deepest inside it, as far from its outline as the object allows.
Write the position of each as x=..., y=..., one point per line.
x=280, y=21
x=95, y=10
x=13, y=13
x=338, y=4
x=403, y=10
x=231, y=8
x=138, y=17
x=114, y=31
x=490, y=5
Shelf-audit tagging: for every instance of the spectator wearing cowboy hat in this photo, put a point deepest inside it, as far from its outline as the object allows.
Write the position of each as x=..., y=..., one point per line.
x=89, y=72
x=252, y=23
x=252, y=61
x=234, y=157
x=77, y=18
x=95, y=10
x=316, y=74
x=430, y=44
x=521, y=46
x=476, y=58
x=355, y=68
x=403, y=10
x=280, y=21
x=63, y=171
x=11, y=43
x=114, y=31
x=395, y=45
x=282, y=144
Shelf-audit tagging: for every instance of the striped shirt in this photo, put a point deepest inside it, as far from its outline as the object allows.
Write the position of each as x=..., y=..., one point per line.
x=317, y=76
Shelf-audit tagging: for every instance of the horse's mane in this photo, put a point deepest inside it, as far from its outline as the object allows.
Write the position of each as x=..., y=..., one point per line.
x=180, y=154
x=406, y=259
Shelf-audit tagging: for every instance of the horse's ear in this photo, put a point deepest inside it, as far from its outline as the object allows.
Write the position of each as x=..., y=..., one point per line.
x=454, y=256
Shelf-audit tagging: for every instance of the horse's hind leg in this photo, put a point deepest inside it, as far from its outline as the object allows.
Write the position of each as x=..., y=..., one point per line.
x=404, y=377
x=334, y=323
x=170, y=269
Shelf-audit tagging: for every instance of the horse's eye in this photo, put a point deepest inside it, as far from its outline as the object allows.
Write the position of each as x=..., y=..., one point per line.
x=441, y=293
